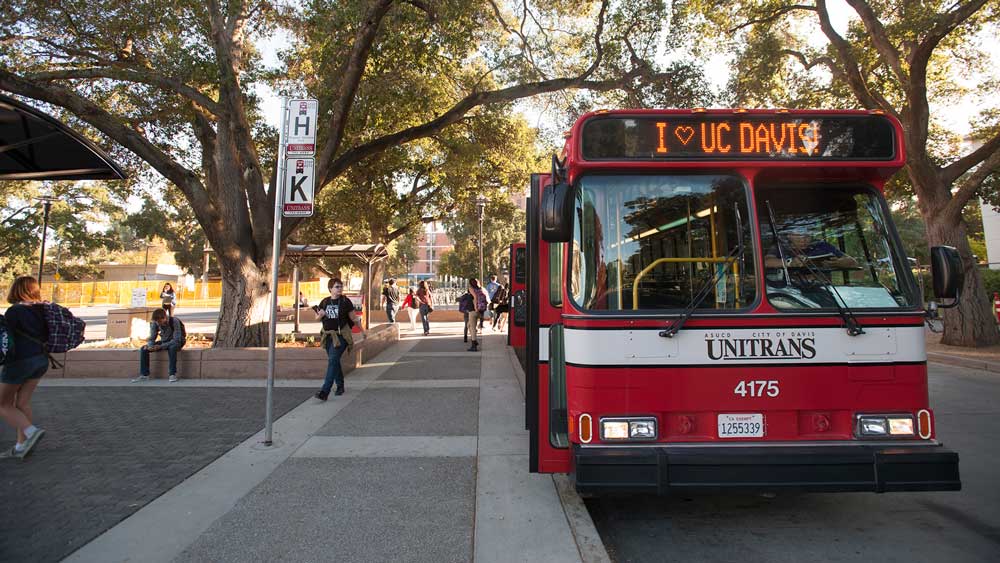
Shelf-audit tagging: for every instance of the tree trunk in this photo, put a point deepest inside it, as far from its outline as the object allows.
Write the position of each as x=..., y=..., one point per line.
x=971, y=323
x=243, y=314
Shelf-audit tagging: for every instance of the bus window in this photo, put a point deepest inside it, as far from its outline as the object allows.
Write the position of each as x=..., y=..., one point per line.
x=520, y=266
x=653, y=242
x=832, y=234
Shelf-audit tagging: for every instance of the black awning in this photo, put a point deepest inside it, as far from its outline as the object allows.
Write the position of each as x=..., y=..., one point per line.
x=35, y=146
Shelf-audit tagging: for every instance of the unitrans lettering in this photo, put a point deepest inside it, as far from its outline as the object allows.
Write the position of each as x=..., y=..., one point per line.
x=761, y=348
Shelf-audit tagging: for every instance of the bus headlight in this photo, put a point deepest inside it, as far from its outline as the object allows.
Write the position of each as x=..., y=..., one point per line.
x=626, y=429
x=885, y=426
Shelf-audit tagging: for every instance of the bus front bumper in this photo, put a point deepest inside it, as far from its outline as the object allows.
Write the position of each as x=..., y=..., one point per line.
x=819, y=468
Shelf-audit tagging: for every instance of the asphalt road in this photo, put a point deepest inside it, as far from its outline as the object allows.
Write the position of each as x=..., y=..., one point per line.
x=907, y=527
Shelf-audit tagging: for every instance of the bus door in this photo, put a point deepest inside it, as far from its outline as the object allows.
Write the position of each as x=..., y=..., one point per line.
x=545, y=376
x=518, y=315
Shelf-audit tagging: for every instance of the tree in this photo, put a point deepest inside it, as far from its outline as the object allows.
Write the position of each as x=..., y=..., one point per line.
x=77, y=207
x=173, y=82
x=905, y=59
x=503, y=224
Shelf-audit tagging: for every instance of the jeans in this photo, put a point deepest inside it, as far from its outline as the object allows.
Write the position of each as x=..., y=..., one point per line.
x=171, y=350
x=413, y=317
x=334, y=373
x=423, y=317
x=390, y=311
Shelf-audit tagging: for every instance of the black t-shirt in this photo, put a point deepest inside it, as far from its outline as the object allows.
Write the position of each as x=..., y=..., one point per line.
x=338, y=312
x=21, y=320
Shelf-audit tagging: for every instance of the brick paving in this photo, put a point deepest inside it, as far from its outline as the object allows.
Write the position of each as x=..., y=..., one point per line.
x=108, y=452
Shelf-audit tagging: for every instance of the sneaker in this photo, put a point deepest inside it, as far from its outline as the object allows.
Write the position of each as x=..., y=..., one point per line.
x=30, y=443
x=474, y=347
x=321, y=395
x=173, y=379
x=140, y=379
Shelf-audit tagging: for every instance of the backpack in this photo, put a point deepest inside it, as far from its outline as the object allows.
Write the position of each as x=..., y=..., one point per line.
x=6, y=341
x=65, y=330
x=180, y=327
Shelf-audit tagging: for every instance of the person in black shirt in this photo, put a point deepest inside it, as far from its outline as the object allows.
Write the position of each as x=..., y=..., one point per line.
x=29, y=362
x=339, y=316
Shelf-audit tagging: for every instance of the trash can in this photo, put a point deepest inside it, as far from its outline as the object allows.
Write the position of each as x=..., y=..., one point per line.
x=129, y=323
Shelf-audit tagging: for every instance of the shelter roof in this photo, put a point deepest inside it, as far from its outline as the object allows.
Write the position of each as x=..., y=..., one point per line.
x=366, y=252
x=36, y=146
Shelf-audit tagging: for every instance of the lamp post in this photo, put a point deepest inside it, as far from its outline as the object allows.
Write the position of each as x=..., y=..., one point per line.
x=481, y=204
x=47, y=206
x=145, y=263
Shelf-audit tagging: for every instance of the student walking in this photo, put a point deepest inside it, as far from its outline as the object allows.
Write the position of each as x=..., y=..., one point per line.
x=426, y=299
x=339, y=316
x=169, y=299
x=476, y=316
x=165, y=334
x=500, y=306
x=27, y=364
x=412, y=308
x=390, y=296
x=466, y=305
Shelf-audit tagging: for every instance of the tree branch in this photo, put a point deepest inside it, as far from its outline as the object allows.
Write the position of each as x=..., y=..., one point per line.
x=773, y=16
x=131, y=75
x=880, y=39
x=351, y=75
x=186, y=180
x=870, y=99
x=955, y=170
x=970, y=185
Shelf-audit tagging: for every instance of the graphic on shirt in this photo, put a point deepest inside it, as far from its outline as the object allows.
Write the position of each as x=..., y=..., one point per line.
x=333, y=310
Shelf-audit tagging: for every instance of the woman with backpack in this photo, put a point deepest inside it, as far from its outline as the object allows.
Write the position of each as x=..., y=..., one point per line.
x=481, y=303
x=26, y=363
x=500, y=306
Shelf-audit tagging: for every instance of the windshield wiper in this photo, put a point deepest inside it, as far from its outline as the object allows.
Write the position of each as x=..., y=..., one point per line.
x=854, y=328
x=711, y=282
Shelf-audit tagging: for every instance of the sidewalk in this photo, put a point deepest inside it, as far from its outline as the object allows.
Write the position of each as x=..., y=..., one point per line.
x=986, y=359
x=424, y=459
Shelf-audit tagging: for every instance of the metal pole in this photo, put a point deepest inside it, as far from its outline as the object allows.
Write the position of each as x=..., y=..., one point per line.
x=480, y=243
x=145, y=264
x=45, y=229
x=279, y=190
x=367, y=310
x=295, y=282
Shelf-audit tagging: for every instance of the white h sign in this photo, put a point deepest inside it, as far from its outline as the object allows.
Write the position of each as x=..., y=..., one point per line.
x=297, y=195
x=301, y=124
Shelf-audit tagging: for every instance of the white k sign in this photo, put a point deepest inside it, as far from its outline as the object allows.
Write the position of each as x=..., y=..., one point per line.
x=297, y=192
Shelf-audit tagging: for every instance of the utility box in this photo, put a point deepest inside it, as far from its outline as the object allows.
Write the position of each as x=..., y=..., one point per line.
x=130, y=323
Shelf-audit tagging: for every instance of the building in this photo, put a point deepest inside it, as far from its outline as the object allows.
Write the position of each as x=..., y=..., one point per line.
x=431, y=244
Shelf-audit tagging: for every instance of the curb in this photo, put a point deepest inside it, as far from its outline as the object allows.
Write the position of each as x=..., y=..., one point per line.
x=959, y=361
x=588, y=541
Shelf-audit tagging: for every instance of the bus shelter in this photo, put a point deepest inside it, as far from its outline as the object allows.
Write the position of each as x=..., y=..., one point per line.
x=368, y=254
x=36, y=146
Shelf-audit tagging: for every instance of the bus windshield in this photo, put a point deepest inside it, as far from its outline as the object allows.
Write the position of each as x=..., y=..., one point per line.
x=653, y=242
x=833, y=247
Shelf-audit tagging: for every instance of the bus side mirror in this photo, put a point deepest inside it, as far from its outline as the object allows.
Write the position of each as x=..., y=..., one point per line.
x=557, y=213
x=947, y=273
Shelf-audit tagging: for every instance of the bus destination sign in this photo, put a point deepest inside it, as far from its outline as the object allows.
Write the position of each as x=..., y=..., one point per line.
x=717, y=137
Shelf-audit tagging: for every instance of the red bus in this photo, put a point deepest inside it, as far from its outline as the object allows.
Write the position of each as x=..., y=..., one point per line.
x=718, y=300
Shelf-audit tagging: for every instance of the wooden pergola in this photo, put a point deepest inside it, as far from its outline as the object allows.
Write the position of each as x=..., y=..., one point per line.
x=369, y=254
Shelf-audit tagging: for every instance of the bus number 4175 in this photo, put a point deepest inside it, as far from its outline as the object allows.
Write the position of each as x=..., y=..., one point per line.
x=757, y=388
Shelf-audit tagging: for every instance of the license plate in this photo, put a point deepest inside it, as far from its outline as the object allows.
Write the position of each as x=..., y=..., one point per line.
x=741, y=426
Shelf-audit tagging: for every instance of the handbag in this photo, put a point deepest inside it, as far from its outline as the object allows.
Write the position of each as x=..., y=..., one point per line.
x=487, y=314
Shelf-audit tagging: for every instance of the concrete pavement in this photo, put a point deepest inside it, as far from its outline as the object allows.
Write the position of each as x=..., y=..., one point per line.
x=423, y=459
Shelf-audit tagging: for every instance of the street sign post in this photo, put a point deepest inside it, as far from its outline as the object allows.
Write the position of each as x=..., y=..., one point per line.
x=294, y=198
